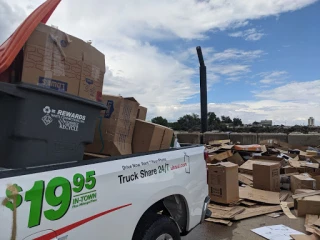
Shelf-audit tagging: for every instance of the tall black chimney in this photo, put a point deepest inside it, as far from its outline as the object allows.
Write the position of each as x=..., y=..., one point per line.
x=203, y=91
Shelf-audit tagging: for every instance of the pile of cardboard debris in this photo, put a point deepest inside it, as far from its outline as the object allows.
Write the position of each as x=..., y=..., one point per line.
x=252, y=180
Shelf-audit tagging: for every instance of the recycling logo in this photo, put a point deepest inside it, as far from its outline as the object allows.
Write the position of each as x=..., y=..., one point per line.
x=47, y=119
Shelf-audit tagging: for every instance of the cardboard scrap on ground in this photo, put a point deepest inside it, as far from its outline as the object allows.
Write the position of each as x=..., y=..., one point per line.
x=243, y=179
x=283, y=196
x=222, y=212
x=259, y=195
x=248, y=203
x=259, y=210
x=304, y=237
x=286, y=210
x=276, y=232
x=222, y=221
x=310, y=220
x=301, y=195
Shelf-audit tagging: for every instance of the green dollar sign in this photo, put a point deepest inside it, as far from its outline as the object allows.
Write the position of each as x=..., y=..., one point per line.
x=12, y=192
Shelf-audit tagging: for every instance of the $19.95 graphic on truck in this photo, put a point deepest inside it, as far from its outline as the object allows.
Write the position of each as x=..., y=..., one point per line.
x=59, y=193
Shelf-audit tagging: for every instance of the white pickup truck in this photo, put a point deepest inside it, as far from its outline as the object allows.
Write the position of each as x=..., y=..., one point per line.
x=152, y=196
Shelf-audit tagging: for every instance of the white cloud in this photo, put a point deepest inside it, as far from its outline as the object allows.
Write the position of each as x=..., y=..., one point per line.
x=251, y=34
x=125, y=32
x=291, y=105
x=275, y=77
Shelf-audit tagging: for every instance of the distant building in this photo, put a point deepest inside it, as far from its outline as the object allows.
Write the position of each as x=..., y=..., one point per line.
x=266, y=122
x=311, y=122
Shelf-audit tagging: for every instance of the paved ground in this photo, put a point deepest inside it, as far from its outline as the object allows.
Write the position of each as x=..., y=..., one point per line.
x=241, y=230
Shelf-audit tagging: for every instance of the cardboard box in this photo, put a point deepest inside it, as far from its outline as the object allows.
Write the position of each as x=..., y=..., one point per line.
x=150, y=137
x=247, y=167
x=223, y=182
x=92, y=74
x=56, y=60
x=53, y=59
x=307, y=205
x=114, y=128
x=266, y=176
x=142, y=113
x=302, y=182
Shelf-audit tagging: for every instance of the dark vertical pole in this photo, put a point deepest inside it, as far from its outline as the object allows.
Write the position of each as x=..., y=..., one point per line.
x=203, y=91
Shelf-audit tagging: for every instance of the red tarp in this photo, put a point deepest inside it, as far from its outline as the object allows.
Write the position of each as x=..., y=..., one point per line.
x=11, y=47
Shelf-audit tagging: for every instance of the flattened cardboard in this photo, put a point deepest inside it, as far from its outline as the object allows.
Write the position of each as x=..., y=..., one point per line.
x=142, y=113
x=220, y=156
x=266, y=176
x=302, y=182
x=244, y=180
x=219, y=142
x=259, y=195
x=259, y=210
x=223, y=182
x=114, y=128
x=305, y=237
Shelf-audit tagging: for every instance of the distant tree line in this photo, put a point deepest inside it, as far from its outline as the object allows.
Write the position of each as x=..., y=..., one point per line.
x=192, y=123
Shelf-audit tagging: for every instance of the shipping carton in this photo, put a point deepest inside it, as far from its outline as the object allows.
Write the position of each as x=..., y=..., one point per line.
x=114, y=128
x=92, y=74
x=142, y=113
x=53, y=59
x=150, y=137
x=266, y=176
x=223, y=182
x=247, y=167
x=302, y=182
x=56, y=60
x=307, y=205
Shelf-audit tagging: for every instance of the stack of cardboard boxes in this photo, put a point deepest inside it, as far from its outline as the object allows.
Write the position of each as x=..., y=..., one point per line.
x=122, y=129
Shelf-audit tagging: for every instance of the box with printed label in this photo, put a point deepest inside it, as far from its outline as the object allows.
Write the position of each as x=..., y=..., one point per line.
x=53, y=59
x=223, y=182
x=92, y=74
x=114, y=128
x=150, y=137
x=266, y=176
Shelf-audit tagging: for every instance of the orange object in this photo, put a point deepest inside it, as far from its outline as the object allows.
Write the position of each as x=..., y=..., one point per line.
x=249, y=148
x=11, y=47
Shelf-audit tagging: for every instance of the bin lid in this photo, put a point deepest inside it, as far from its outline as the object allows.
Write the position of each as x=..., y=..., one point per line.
x=11, y=47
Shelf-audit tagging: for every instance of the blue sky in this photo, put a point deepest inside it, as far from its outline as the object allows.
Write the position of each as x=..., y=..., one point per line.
x=262, y=56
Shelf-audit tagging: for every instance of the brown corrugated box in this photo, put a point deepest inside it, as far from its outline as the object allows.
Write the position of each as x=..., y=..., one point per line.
x=56, y=60
x=307, y=205
x=302, y=182
x=266, y=176
x=150, y=137
x=93, y=69
x=114, y=128
x=223, y=182
x=142, y=113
